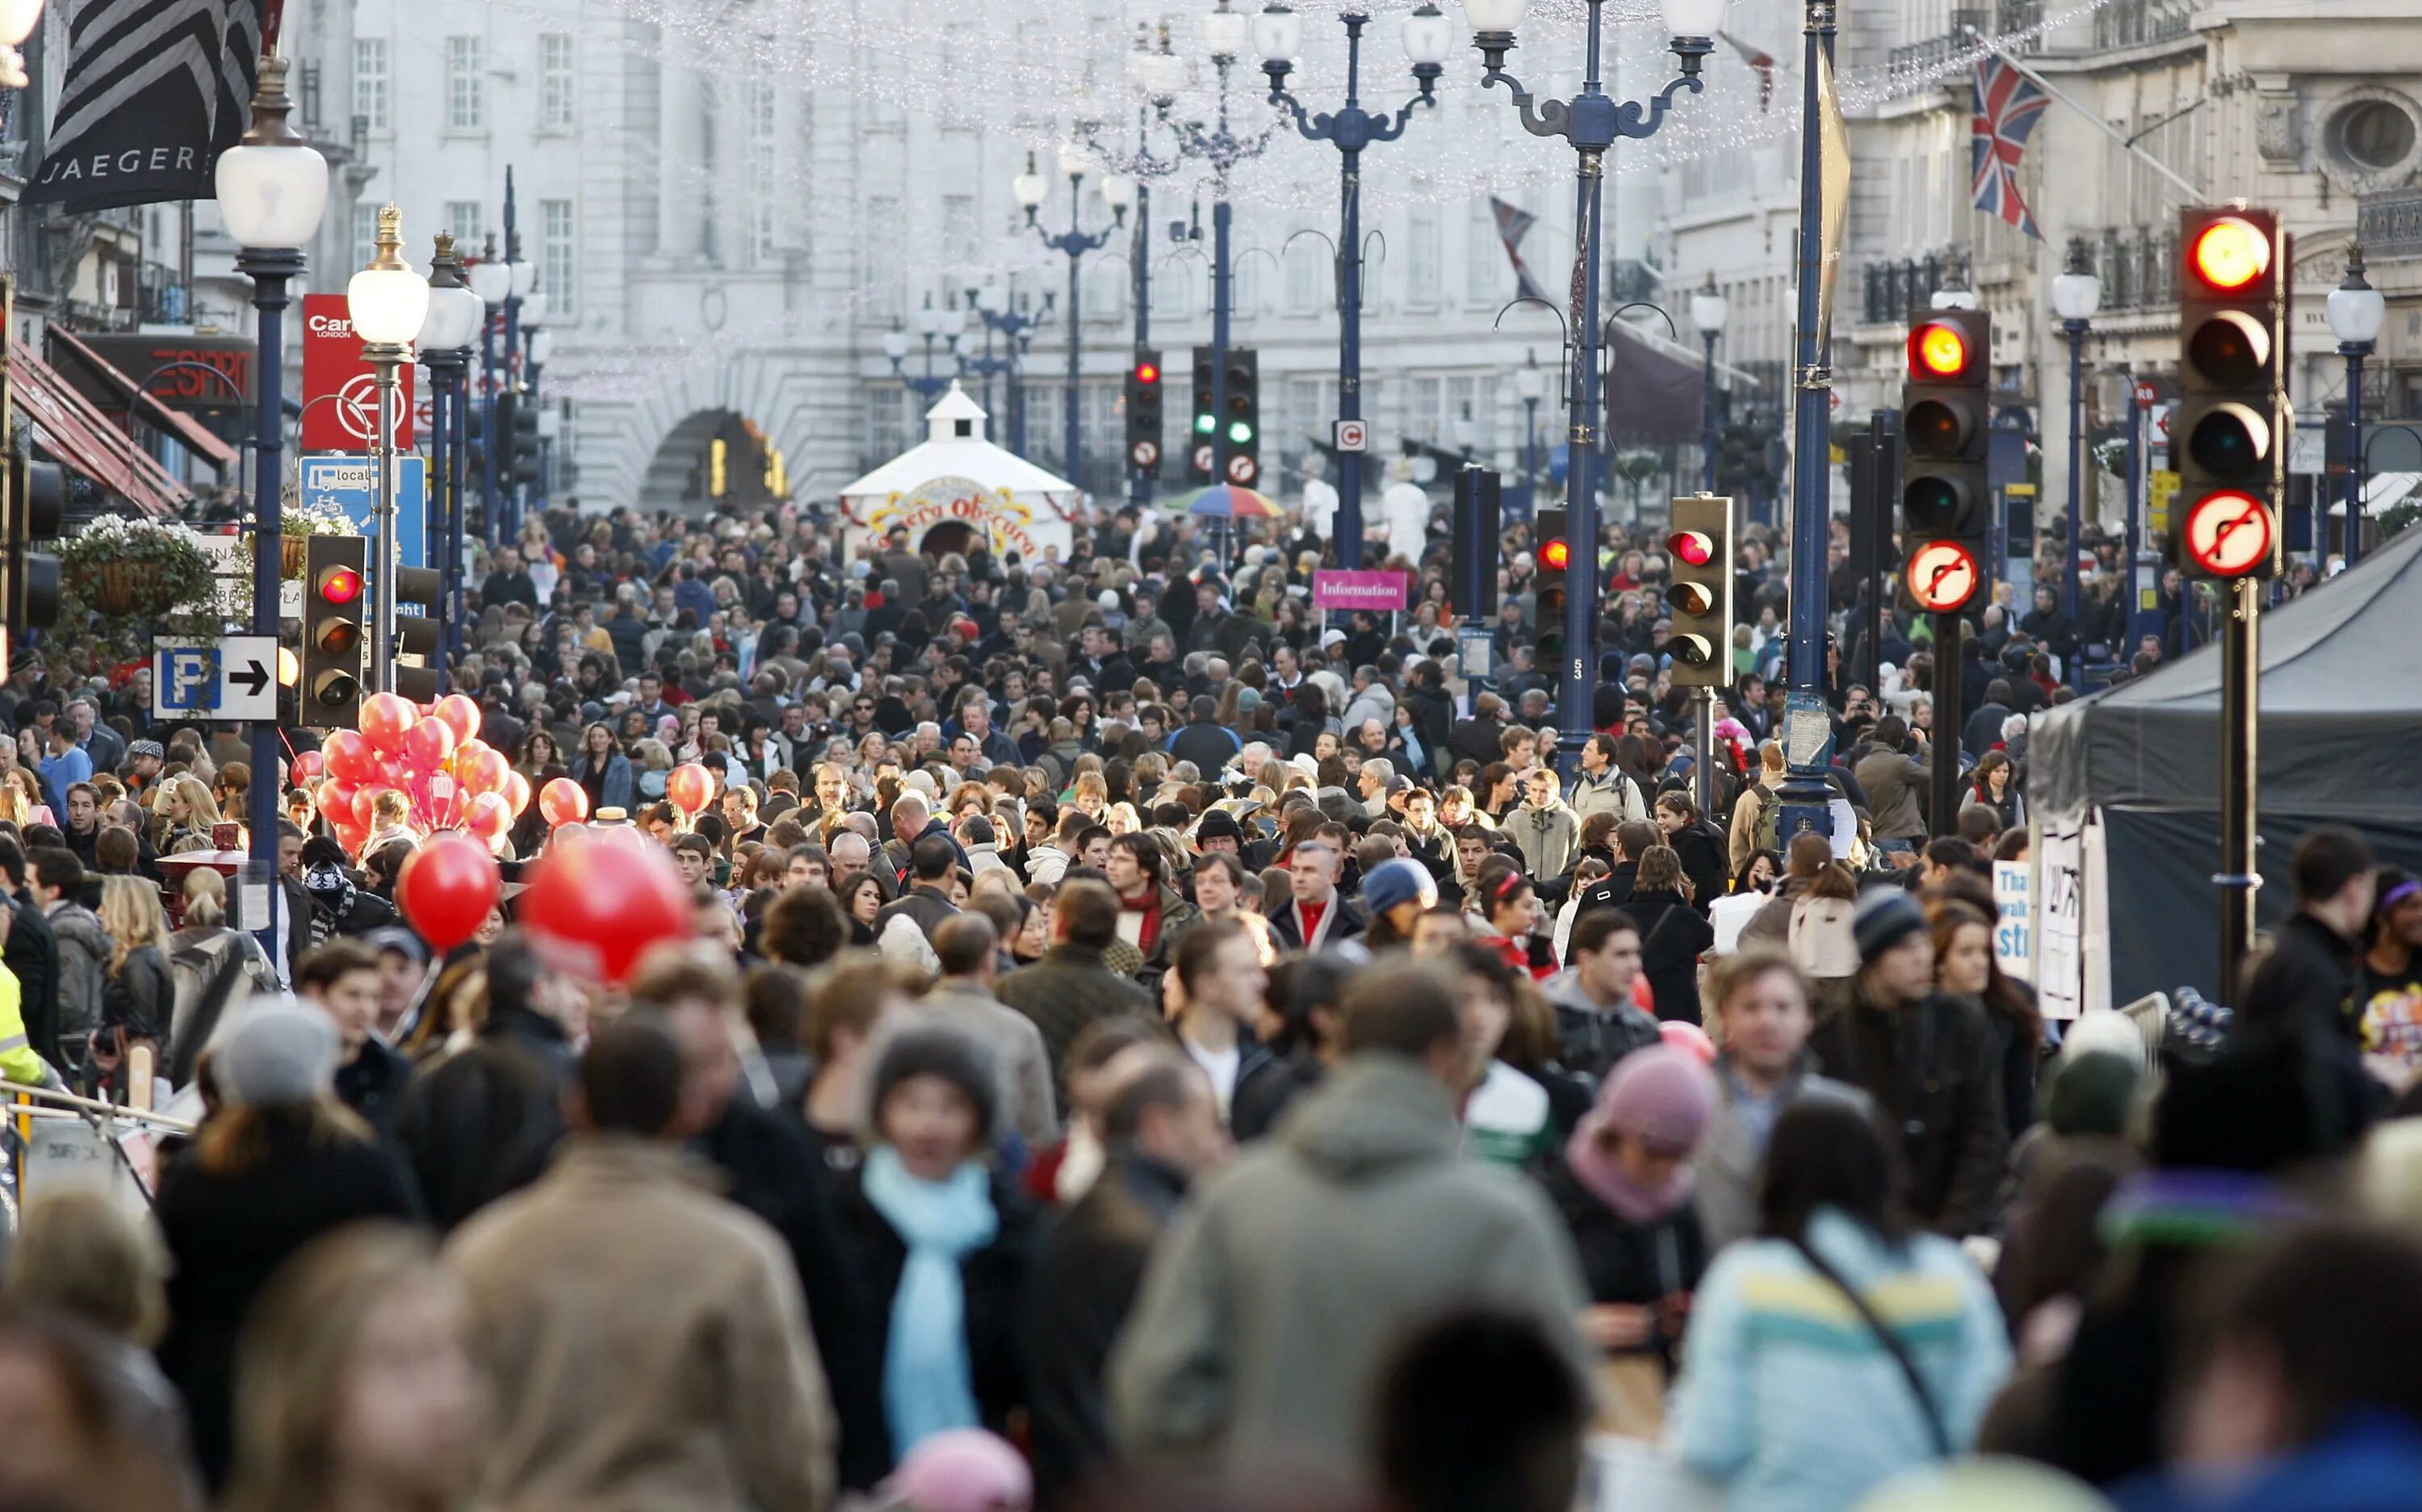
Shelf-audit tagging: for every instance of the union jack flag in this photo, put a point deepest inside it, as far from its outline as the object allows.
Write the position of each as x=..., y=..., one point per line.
x=2008, y=104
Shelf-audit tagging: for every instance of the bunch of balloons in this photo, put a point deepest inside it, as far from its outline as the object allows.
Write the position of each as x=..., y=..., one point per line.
x=448, y=778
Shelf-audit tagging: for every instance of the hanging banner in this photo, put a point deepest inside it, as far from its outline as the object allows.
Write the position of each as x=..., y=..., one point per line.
x=154, y=91
x=2060, y=924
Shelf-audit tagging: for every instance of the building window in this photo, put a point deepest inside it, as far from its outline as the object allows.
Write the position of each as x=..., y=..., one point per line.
x=365, y=231
x=466, y=222
x=886, y=252
x=555, y=82
x=557, y=234
x=1483, y=263
x=2372, y=135
x=369, y=82
x=764, y=201
x=466, y=85
x=959, y=227
x=1303, y=265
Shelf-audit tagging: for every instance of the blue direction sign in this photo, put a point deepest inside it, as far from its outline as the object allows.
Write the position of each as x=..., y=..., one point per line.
x=350, y=483
x=234, y=677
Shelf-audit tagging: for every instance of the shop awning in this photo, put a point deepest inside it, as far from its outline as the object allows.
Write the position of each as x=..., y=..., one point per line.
x=80, y=438
x=191, y=433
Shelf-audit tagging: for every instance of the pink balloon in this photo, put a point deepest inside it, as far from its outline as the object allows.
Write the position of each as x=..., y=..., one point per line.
x=308, y=763
x=460, y=714
x=383, y=719
x=488, y=815
x=1687, y=1037
x=517, y=793
x=429, y=744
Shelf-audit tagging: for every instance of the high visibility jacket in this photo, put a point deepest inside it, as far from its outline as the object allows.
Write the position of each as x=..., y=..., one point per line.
x=18, y=1061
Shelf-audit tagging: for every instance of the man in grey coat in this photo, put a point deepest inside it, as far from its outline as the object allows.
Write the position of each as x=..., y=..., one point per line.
x=970, y=950
x=1762, y=1005
x=1272, y=1304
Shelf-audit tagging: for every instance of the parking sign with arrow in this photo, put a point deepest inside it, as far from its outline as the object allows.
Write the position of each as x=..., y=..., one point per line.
x=233, y=678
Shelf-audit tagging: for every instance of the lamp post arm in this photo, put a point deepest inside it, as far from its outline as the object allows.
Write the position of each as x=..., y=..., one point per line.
x=1551, y=118
x=1636, y=119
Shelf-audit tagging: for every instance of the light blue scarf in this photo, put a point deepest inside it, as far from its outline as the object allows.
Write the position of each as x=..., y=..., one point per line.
x=927, y=1383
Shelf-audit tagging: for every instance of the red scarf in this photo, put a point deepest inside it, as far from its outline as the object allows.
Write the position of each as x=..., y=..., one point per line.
x=1150, y=908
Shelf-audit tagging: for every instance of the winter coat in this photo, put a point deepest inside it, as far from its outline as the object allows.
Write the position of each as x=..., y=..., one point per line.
x=707, y=1397
x=1067, y=989
x=1623, y=1262
x=607, y=789
x=1673, y=936
x=1701, y=849
x=1732, y=1157
x=1208, y=744
x=1896, y=784
x=83, y=972
x=472, y=1120
x=1591, y=1039
x=1272, y=1304
x=1614, y=793
x=992, y=1280
x=1087, y=1270
x=139, y=998
x=374, y=1085
x=1264, y=1098
x=1789, y=1401
x=1020, y=1062
x=923, y=904
x=1933, y=1068
x=33, y=957
x=1549, y=838
x=228, y=1232
x=1343, y=922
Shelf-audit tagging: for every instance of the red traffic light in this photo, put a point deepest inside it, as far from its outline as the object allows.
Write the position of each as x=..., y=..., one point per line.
x=1942, y=576
x=2229, y=253
x=2229, y=533
x=1939, y=350
x=340, y=585
x=1556, y=555
x=1696, y=547
x=1147, y=372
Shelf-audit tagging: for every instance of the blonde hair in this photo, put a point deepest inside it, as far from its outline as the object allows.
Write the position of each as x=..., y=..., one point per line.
x=201, y=810
x=389, y=807
x=130, y=912
x=80, y=1255
x=205, y=898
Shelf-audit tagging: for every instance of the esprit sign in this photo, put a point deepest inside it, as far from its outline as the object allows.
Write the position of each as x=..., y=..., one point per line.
x=340, y=390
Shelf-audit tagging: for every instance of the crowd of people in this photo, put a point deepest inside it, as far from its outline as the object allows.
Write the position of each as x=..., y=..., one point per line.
x=1138, y=1041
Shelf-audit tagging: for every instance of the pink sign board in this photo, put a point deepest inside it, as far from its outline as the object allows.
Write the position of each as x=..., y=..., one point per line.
x=1381, y=591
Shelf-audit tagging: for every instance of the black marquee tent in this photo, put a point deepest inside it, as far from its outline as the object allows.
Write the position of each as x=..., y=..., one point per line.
x=2339, y=741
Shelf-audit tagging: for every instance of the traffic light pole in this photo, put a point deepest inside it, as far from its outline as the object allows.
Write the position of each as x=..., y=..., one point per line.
x=270, y=270
x=2241, y=697
x=1140, y=480
x=1807, y=729
x=1942, y=755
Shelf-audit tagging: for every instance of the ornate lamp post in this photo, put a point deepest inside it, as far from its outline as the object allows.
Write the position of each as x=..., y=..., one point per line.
x=2357, y=312
x=1031, y=189
x=388, y=302
x=2076, y=294
x=931, y=323
x=492, y=281
x=1278, y=36
x=273, y=190
x=454, y=318
x=1592, y=122
x=1008, y=315
x=1708, y=311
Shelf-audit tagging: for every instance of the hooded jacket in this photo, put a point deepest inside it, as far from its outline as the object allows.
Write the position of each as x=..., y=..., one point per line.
x=1591, y=1039
x=1272, y=1303
x=1933, y=1068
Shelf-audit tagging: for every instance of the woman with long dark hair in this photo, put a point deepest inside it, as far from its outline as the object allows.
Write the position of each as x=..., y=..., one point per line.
x=1840, y=1347
x=602, y=771
x=1965, y=966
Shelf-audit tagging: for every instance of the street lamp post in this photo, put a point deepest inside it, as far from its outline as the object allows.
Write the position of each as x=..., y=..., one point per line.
x=538, y=346
x=1030, y=189
x=2357, y=312
x=1531, y=382
x=388, y=302
x=455, y=315
x=1005, y=312
x=1278, y=36
x=273, y=190
x=1708, y=311
x=1591, y=121
x=931, y=323
x=491, y=280
x=2076, y=294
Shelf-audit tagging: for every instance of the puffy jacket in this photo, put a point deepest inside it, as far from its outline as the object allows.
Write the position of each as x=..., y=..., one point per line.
x=1615, y=792
x=1788, y=1399
x=84, y=971
x=1550, y=838
x=18, y=1061
x=1934, y=1067
x=1591, y=1039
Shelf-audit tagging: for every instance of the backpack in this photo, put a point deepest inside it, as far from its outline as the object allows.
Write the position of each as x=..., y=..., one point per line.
x=1769, y=818
x=1820, y=938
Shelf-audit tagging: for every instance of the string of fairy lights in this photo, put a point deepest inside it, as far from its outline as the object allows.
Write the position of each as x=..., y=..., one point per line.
x=1032, y=70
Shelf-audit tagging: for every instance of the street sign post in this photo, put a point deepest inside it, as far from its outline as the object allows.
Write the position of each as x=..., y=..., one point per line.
x=334, y=370
x=1353, y=435
x=233, y=678
x=350, y=483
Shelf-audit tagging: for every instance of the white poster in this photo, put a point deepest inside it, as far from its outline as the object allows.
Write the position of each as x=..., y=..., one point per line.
x=2060, y=924
x=2014, y=928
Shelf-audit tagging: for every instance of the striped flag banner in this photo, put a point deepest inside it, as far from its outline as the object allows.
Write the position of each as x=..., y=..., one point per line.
x=154, y=91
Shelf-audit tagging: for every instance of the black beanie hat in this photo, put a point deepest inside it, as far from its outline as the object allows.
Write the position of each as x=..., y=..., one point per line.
x=932, y=1048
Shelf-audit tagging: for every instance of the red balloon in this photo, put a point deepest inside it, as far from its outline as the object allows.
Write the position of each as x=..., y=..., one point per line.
x=690, y=787
x=365, y=804
x=350, y=757
x=1687, y=1037
x=488, y=815
x=429, y=743
x=481, y=771
x=517, y=793
x=384, y=718
x=459, y=714
x=594, y=908
x=562, y=800
x=446, y=888
x=352, y=837
x=307, y=763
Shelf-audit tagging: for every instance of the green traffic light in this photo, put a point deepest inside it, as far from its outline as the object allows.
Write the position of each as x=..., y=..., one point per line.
x=1241, y=433
x=1202, y=424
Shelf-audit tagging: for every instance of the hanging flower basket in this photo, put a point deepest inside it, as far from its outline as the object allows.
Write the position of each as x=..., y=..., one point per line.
x=298, y=522
x=122, y=568
x=121, y=588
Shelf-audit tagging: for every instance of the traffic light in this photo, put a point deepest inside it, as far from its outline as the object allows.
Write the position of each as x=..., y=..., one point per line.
x=1699, y=592
x=2225, y=440
x=36, y=498
x=1478, y=542
x=521, y=441
x=1554, y=560
x=336, y=629
x=1944, y=500
x=1143, y=413
x=1201, y=439
x=1244, y=422
x=475, y=441
x=419, y=635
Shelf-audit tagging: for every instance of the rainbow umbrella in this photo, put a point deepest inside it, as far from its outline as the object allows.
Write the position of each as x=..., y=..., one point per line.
x=1228, y=502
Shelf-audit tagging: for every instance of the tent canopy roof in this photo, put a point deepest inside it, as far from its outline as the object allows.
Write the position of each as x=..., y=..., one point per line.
x=955, y=447
x=2341, y=695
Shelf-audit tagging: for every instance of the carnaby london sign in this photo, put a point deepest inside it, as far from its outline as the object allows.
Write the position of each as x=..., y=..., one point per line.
x=940, y=501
